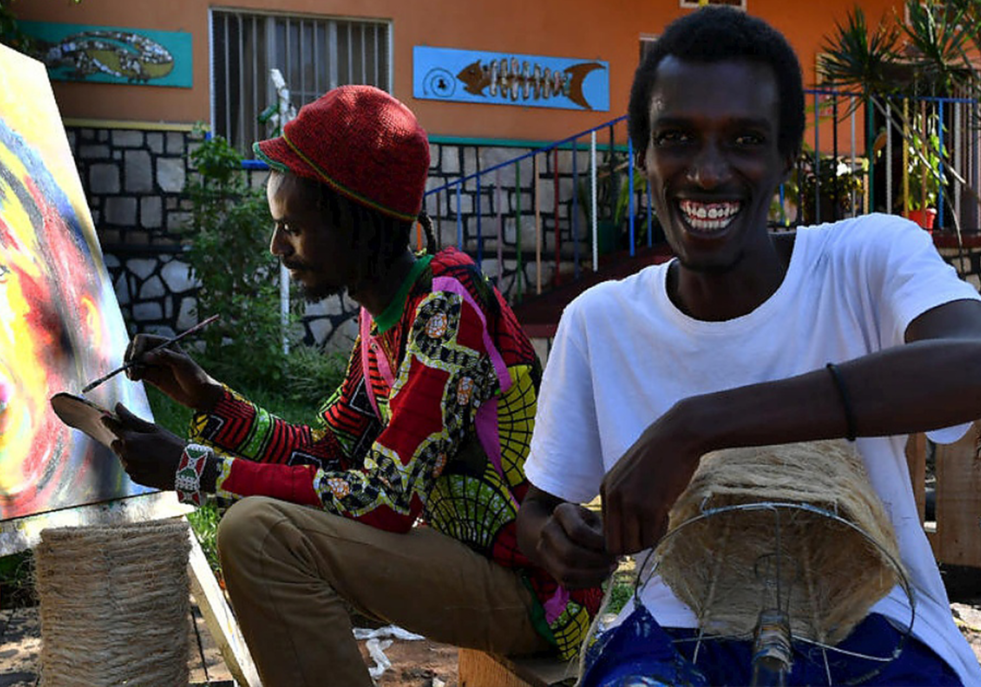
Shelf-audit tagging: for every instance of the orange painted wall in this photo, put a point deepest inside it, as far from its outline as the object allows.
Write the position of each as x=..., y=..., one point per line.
x=586, y=29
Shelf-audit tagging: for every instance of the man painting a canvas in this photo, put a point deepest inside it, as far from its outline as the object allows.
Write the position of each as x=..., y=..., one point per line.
x=431, y=423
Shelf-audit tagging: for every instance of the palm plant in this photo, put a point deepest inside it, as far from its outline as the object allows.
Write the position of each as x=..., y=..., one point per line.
x=924, y=55
x=860, y=61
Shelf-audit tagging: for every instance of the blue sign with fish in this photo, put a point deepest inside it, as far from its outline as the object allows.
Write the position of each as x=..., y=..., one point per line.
x=74, y=52
x=509, y=79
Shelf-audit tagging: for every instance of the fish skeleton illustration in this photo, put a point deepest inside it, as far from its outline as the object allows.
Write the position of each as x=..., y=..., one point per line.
x=120, y=54
x=511, y=80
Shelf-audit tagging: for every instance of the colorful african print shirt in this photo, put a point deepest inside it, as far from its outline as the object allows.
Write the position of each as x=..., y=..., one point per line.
x=432, y=421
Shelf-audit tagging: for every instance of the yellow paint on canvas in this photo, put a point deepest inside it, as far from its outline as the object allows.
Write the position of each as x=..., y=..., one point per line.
x=41, y=125
x=60, y=324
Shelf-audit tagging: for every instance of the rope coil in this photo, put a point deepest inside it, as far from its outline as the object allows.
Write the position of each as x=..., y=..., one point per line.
x=114, y=605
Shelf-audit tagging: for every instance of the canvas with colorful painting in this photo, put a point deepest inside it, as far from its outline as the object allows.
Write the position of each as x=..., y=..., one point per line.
x=60, y=323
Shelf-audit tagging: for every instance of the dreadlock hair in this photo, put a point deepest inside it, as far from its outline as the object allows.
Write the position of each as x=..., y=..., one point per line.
x=382, y=237
x=386, y=236
x=426, y=222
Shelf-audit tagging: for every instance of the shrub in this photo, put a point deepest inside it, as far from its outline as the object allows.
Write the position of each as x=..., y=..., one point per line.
x=227, y=250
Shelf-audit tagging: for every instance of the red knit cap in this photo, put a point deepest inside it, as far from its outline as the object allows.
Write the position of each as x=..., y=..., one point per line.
x=361, y=142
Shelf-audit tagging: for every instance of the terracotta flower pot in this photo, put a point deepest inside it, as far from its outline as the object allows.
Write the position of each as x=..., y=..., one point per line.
x=925, y=218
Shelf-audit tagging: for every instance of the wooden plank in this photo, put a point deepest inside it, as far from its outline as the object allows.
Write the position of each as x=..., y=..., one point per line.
x=197, y=674
x=916, y=460
x=959, y=500
x=219, y=618
x=480, y=669
x=212, y=663
x=931, y=533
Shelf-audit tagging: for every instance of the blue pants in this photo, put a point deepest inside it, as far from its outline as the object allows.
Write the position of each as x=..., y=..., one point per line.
x=641, y=647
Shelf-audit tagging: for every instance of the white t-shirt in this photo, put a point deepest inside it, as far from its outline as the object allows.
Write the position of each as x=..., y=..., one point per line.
x=624, y=354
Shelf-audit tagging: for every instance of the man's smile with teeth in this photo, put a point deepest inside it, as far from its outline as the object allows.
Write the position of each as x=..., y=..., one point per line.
x=709, y=216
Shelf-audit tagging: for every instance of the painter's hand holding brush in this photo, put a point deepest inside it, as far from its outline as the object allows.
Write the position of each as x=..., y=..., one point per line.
x=151, y=454
x=172, y=371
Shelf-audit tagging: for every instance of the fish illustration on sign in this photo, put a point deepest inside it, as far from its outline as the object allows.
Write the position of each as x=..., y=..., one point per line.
x=512, y=80
x=120, y=54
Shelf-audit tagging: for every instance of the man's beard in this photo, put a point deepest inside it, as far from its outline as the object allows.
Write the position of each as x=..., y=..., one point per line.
x=314, y=294
x=317, y=292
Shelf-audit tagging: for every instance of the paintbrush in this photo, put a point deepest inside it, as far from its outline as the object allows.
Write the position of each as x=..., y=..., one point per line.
x=164, y=344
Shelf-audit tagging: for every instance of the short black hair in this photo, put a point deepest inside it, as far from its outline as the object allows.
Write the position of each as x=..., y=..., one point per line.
x=718, y=34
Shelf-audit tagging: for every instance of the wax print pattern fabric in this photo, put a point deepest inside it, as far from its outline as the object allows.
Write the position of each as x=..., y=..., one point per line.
x=454, y=381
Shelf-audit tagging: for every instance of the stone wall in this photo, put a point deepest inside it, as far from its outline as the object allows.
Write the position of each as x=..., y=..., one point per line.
x=485, y=215
x=134, y=179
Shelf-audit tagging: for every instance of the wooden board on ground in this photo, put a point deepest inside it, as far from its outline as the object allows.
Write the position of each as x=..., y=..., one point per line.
x=958, y=538
x=480, y=669
x=219, y=618
x=205, y=663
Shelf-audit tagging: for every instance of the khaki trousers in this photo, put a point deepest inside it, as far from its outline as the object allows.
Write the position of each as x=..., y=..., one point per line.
x=288, y=567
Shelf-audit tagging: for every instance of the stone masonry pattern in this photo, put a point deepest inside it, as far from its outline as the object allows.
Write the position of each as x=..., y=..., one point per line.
x=134, y=181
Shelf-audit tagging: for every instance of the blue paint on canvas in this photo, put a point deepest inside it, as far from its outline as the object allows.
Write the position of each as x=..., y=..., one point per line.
x=510, y=79
x=110, y=54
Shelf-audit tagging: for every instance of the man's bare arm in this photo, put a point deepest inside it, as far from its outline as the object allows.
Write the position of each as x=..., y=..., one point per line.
x=933, y=381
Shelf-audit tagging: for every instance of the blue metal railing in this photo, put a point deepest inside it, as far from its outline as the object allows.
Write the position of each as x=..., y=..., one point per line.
x=567, y=191
x=816, y=187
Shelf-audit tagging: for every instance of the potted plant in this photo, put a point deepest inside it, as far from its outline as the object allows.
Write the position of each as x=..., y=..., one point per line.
x=823, y=192
x=613, y=200
x=923, y=53
x=923, y=172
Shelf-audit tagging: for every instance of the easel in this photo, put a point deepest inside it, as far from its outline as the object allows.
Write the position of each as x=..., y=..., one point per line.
x=35, y=136
x=25, y=533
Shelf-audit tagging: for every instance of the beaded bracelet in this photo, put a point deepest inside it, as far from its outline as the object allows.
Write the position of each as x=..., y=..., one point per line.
x=187, y=482
x=846, y=401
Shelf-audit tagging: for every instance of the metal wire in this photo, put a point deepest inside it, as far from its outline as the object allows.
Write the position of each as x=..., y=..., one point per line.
x=648, y=569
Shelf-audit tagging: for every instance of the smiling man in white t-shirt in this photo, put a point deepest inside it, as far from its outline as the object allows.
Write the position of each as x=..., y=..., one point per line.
x=855, y=329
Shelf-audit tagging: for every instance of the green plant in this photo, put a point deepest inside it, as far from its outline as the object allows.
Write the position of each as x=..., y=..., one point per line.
x=828, y=185
x=613, y=192
x=861, y=60
x=204, y=521
x=311, y=376
x=623, y=588
x=17, y=580
x=227, y=250
x=10, y=31
x=926, y=53
x=168, y=413
x=923, y=167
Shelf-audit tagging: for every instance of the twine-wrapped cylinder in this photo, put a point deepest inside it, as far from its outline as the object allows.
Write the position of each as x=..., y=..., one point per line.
x=113, y=605
x=728, y=566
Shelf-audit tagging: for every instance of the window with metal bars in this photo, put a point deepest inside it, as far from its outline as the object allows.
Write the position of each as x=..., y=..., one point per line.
x=647, y=41
x=739, y=4
x=314, y=54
